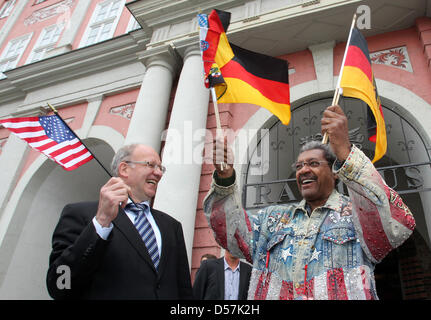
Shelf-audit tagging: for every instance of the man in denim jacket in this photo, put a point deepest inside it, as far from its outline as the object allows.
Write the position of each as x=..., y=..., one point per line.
x=326, y=246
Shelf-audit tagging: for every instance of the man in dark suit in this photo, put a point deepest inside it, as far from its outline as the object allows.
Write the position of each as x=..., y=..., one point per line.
x=119, y=247
x=226, y=278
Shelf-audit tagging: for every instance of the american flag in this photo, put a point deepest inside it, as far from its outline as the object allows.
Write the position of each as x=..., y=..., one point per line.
x=49, y=135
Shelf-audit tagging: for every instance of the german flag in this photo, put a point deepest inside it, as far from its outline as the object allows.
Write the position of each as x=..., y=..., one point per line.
x=239, y=75
x=357, y=81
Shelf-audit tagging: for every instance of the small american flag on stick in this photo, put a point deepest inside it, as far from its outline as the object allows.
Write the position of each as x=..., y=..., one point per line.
x=51, y=136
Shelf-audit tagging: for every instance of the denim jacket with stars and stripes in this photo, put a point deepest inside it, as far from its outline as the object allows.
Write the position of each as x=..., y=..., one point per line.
x=328, y=255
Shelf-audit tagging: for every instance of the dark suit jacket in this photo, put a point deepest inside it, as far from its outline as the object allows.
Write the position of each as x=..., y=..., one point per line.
x=120, y=267
x=209, y=280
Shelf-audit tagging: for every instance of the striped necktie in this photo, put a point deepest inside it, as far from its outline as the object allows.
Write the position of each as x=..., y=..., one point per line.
x=145, y=230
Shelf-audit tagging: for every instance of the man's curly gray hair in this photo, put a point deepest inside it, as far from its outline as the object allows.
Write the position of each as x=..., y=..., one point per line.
x=328, y=153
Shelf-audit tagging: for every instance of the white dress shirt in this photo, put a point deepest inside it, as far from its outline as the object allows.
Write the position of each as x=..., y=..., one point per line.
x=231, y=281
x=104, y=232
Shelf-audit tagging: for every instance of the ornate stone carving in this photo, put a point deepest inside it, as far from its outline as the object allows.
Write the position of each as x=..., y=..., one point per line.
x=125, y=111
x=395, y=57
x=48, y=12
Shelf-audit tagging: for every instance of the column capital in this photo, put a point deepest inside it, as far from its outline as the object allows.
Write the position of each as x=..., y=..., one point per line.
x=322, y=46
x=183, y=150
x=192, y=50
x=154, y=95
x=164, y=56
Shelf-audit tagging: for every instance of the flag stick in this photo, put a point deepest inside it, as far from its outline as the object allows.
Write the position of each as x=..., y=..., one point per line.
x=338, y=90
x=219, y=131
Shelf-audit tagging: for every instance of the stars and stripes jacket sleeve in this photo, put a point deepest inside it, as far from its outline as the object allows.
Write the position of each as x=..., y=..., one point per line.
x=231, y=224
x=381, y=219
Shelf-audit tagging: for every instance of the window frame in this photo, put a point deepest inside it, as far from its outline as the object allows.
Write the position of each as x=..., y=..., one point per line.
x=7, y=8
x=58, y=29
x=36, y=2
x=94, y=23
x=16, y=57
x=133, y=24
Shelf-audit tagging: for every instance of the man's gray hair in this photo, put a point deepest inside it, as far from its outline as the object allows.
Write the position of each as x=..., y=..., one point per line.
x=328, y=153
x=123, y=154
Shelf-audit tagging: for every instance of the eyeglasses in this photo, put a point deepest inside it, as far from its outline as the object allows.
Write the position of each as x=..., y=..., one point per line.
x=148, y=164
x=312, y=164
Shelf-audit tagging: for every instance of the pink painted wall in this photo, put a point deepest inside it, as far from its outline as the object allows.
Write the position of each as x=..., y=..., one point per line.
x=117, y=122
x=123, y=22
x=78, y=111
x=423, y=26
x=20, y=28
x=4, y=133
x=120, y=29
x=3, y=20
x=303, y=64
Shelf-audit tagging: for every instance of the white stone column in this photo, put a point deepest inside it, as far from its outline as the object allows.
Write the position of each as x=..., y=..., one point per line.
x=151, y=108
x=178, y=190
x=12, y=159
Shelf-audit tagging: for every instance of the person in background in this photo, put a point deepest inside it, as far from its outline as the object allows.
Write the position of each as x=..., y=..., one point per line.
x=226, y=278
x=207, y=256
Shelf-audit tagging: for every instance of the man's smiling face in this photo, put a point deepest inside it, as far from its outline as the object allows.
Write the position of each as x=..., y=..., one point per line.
x=315, y=184
x=142, y=179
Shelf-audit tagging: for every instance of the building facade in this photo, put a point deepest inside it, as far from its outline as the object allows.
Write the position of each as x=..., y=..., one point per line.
x=122, y=71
